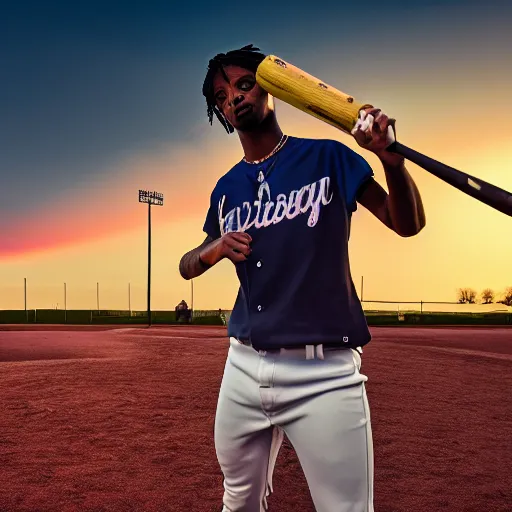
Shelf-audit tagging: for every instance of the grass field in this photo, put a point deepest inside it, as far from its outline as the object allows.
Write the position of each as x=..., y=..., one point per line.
x=377, y=317
x=98, y=418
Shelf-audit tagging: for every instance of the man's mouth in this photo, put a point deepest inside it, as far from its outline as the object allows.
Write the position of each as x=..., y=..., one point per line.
x=241, y=111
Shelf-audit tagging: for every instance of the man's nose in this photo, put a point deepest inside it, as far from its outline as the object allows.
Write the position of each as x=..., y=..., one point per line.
x=236, y=100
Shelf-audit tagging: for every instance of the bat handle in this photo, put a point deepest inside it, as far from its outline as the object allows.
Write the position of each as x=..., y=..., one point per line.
x=491, y=195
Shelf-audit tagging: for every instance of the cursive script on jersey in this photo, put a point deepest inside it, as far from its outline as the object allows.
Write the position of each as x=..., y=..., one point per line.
x=265, y=212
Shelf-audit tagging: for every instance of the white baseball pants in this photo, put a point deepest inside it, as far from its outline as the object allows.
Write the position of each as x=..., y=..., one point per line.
x=321, y=406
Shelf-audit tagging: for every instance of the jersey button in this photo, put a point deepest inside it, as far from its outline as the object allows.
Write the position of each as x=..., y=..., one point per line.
x=259, y=308
x=258, y=264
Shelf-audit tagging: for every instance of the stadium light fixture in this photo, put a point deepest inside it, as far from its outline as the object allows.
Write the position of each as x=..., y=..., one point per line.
x=156, y=199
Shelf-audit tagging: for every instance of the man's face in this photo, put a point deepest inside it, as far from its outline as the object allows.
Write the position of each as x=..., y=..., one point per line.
x=242, y=101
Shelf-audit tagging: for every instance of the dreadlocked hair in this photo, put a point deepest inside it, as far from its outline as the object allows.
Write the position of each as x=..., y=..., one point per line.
x=248, y=57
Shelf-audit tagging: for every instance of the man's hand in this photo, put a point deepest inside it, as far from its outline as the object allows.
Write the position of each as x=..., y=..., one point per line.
x=235, y=246
x=372, y=133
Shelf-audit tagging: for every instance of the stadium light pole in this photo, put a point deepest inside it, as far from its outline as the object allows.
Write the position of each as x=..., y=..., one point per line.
x=157, y=199
x=25, y=293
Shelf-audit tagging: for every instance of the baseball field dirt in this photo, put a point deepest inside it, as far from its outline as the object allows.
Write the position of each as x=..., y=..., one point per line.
x=121, y=419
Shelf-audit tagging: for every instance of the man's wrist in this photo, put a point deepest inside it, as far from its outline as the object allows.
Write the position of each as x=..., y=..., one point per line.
x=203, y=263
x=391, y=161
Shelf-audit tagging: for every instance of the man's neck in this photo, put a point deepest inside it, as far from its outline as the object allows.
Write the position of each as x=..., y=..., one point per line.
x=258, y=144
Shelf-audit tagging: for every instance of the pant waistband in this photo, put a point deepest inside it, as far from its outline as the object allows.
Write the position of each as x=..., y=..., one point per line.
x=311, y=351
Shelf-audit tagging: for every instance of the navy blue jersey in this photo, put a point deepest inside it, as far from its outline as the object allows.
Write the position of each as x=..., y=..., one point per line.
x=296, y=287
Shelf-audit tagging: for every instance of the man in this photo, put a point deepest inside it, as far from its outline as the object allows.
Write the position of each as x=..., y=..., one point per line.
x=282, y=216
x=182, y=306
x=182, y=311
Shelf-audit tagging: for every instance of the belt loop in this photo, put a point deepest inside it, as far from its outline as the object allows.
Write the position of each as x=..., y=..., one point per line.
x=310, y=352
x=320, y=351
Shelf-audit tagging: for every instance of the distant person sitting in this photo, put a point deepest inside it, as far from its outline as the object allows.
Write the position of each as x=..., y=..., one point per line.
x=182, y=305
x=183, y=313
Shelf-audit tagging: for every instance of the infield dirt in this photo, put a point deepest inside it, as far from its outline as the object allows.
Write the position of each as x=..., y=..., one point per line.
x=121, y=419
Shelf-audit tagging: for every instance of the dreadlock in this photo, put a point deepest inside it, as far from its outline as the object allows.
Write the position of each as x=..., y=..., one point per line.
x=248, y=57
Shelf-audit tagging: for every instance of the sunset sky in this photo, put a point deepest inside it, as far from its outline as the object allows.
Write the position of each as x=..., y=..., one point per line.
x=100, y=99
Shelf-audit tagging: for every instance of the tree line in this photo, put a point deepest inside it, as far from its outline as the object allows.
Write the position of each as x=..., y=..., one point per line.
x=487, y=296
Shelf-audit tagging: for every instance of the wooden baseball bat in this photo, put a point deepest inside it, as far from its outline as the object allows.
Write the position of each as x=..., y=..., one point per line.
x=309, y=94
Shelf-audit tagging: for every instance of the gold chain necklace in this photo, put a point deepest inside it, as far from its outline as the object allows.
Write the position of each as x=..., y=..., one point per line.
x=280, y=144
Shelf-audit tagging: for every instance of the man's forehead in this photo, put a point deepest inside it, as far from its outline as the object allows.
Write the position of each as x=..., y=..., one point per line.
x=233, y=72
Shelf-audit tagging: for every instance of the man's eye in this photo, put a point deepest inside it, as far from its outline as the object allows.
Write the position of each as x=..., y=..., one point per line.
x=220, y=98
x=246, y=85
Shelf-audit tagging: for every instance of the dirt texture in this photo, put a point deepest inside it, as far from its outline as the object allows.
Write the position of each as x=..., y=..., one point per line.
x=121, y=419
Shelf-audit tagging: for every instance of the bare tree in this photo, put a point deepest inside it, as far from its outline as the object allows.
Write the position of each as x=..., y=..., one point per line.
x=487, y=296
x=466, y=296
x=507, y=297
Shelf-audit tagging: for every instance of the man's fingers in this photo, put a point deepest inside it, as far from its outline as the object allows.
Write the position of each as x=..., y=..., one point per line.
x=380, y=123
x=236, y=246
x=372, y=111
x=241, y=236
x=237, y=257
x=362, y=137
x=371, y=126
x=239, y=247
x=240, y=242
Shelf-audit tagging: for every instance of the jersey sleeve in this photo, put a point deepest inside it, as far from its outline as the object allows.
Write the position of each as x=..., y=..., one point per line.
x=353, y=174
x=211, y=224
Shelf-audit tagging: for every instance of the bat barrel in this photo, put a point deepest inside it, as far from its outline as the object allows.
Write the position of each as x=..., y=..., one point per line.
x=309, y=94
x=491, y=195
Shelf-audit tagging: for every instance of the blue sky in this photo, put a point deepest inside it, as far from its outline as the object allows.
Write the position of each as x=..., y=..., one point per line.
x=87, y=82
x=100, y=98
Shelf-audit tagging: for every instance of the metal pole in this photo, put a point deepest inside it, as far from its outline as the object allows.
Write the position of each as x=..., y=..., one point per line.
x=150, y=198
x=362, y=283
x=149, y=264
x=98, y=295
x=65, y=304
x=26, y=312
x=130, y=299
x=192, y=300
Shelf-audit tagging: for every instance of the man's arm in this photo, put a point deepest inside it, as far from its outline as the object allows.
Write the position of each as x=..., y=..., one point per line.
x=401, y=209
x=191, y=265
x=404, y=201
x=234, y=246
